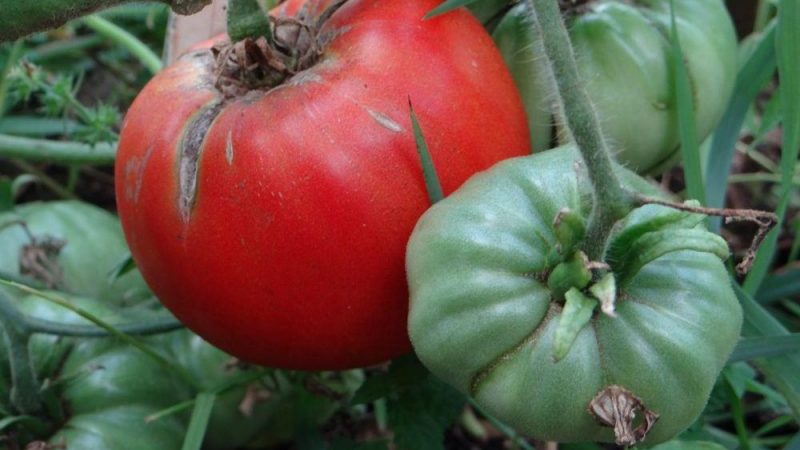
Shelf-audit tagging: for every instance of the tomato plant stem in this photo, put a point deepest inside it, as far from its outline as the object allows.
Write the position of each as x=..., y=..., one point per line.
x=57, y=151
x=25, y=390
x=610, y=201
x=22, y=18
x=124, y=39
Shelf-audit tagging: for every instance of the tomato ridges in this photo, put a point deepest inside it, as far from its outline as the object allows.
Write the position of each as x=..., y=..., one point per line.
x=553, y=309
x=191, y=145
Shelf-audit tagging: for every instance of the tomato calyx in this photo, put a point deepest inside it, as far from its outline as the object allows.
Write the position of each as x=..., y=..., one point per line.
x=292, y=44
x=616, y=407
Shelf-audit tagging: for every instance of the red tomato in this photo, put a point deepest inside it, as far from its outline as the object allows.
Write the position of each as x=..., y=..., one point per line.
x=275, y=224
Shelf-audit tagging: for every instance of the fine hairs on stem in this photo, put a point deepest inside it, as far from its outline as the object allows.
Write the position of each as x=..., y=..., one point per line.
x=611, y=202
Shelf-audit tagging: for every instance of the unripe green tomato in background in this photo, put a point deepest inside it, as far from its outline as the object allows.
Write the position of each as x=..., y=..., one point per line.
x=93, y=245
x=102, y=389
x=624, y=57
x=483, y=319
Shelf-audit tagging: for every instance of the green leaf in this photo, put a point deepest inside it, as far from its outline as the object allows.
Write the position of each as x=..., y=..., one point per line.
x=403, y=373
x=203, y=404
x=124, y=266
x=738, y=375
x=781, y=372
x=788, y=61
x=686, y=116
x=755, y=72
x=577, y=313
x=765, y=347
x=428, y=170
x=448, y=6
x=779, y=286
x=420, y=416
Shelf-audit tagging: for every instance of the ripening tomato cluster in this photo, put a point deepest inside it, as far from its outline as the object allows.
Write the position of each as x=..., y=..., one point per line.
x=275, y=222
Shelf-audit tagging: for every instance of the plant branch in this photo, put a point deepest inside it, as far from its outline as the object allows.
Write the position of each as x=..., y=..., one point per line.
x=69, y=153
x=611, y=202
x=123, y=38
x=140, y=328
x=21, y=18
x=764, y=219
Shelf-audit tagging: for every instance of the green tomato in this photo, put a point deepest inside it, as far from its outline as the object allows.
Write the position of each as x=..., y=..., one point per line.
x=483, y=317
x=102, y=389
x=93, y=245
x=623, y=52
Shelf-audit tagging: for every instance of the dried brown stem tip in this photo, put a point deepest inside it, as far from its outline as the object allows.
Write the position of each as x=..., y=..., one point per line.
x=764, y=219
x=616, y=407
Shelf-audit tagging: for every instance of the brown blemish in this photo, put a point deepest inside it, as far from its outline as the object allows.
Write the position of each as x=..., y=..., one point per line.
x=384, y=121
x=229, y=148
x=616, y=407
x=191, y=146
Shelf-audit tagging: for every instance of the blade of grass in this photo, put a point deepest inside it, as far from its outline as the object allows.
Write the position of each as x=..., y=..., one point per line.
x=428, y=170
x=788, y=60
x=755, y=72
x=779, y=286
x=204, y=403
x=781, y=372
x=765, y=347
x=686, y=116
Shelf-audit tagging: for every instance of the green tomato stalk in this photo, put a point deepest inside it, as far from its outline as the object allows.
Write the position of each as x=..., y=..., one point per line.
x=611, y=201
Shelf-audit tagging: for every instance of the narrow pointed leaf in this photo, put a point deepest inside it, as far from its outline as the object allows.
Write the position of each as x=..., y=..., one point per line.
x=755, y=72
x=788, y=60
x=686, y=117
x=428, y=170
x=204, y=403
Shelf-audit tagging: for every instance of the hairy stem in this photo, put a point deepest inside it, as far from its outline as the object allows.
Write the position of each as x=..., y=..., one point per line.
x=611, y=202
x=16, y=334
x=21, y=18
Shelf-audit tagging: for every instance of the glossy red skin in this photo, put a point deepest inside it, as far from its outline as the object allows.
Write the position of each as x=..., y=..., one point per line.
x=293, y=255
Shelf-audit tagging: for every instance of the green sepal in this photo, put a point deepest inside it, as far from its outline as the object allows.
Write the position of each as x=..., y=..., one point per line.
x=655, y=244
x=576, y=314
x=647, y=219
x=570, y=229
x=572, y=273
x=605, y=291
